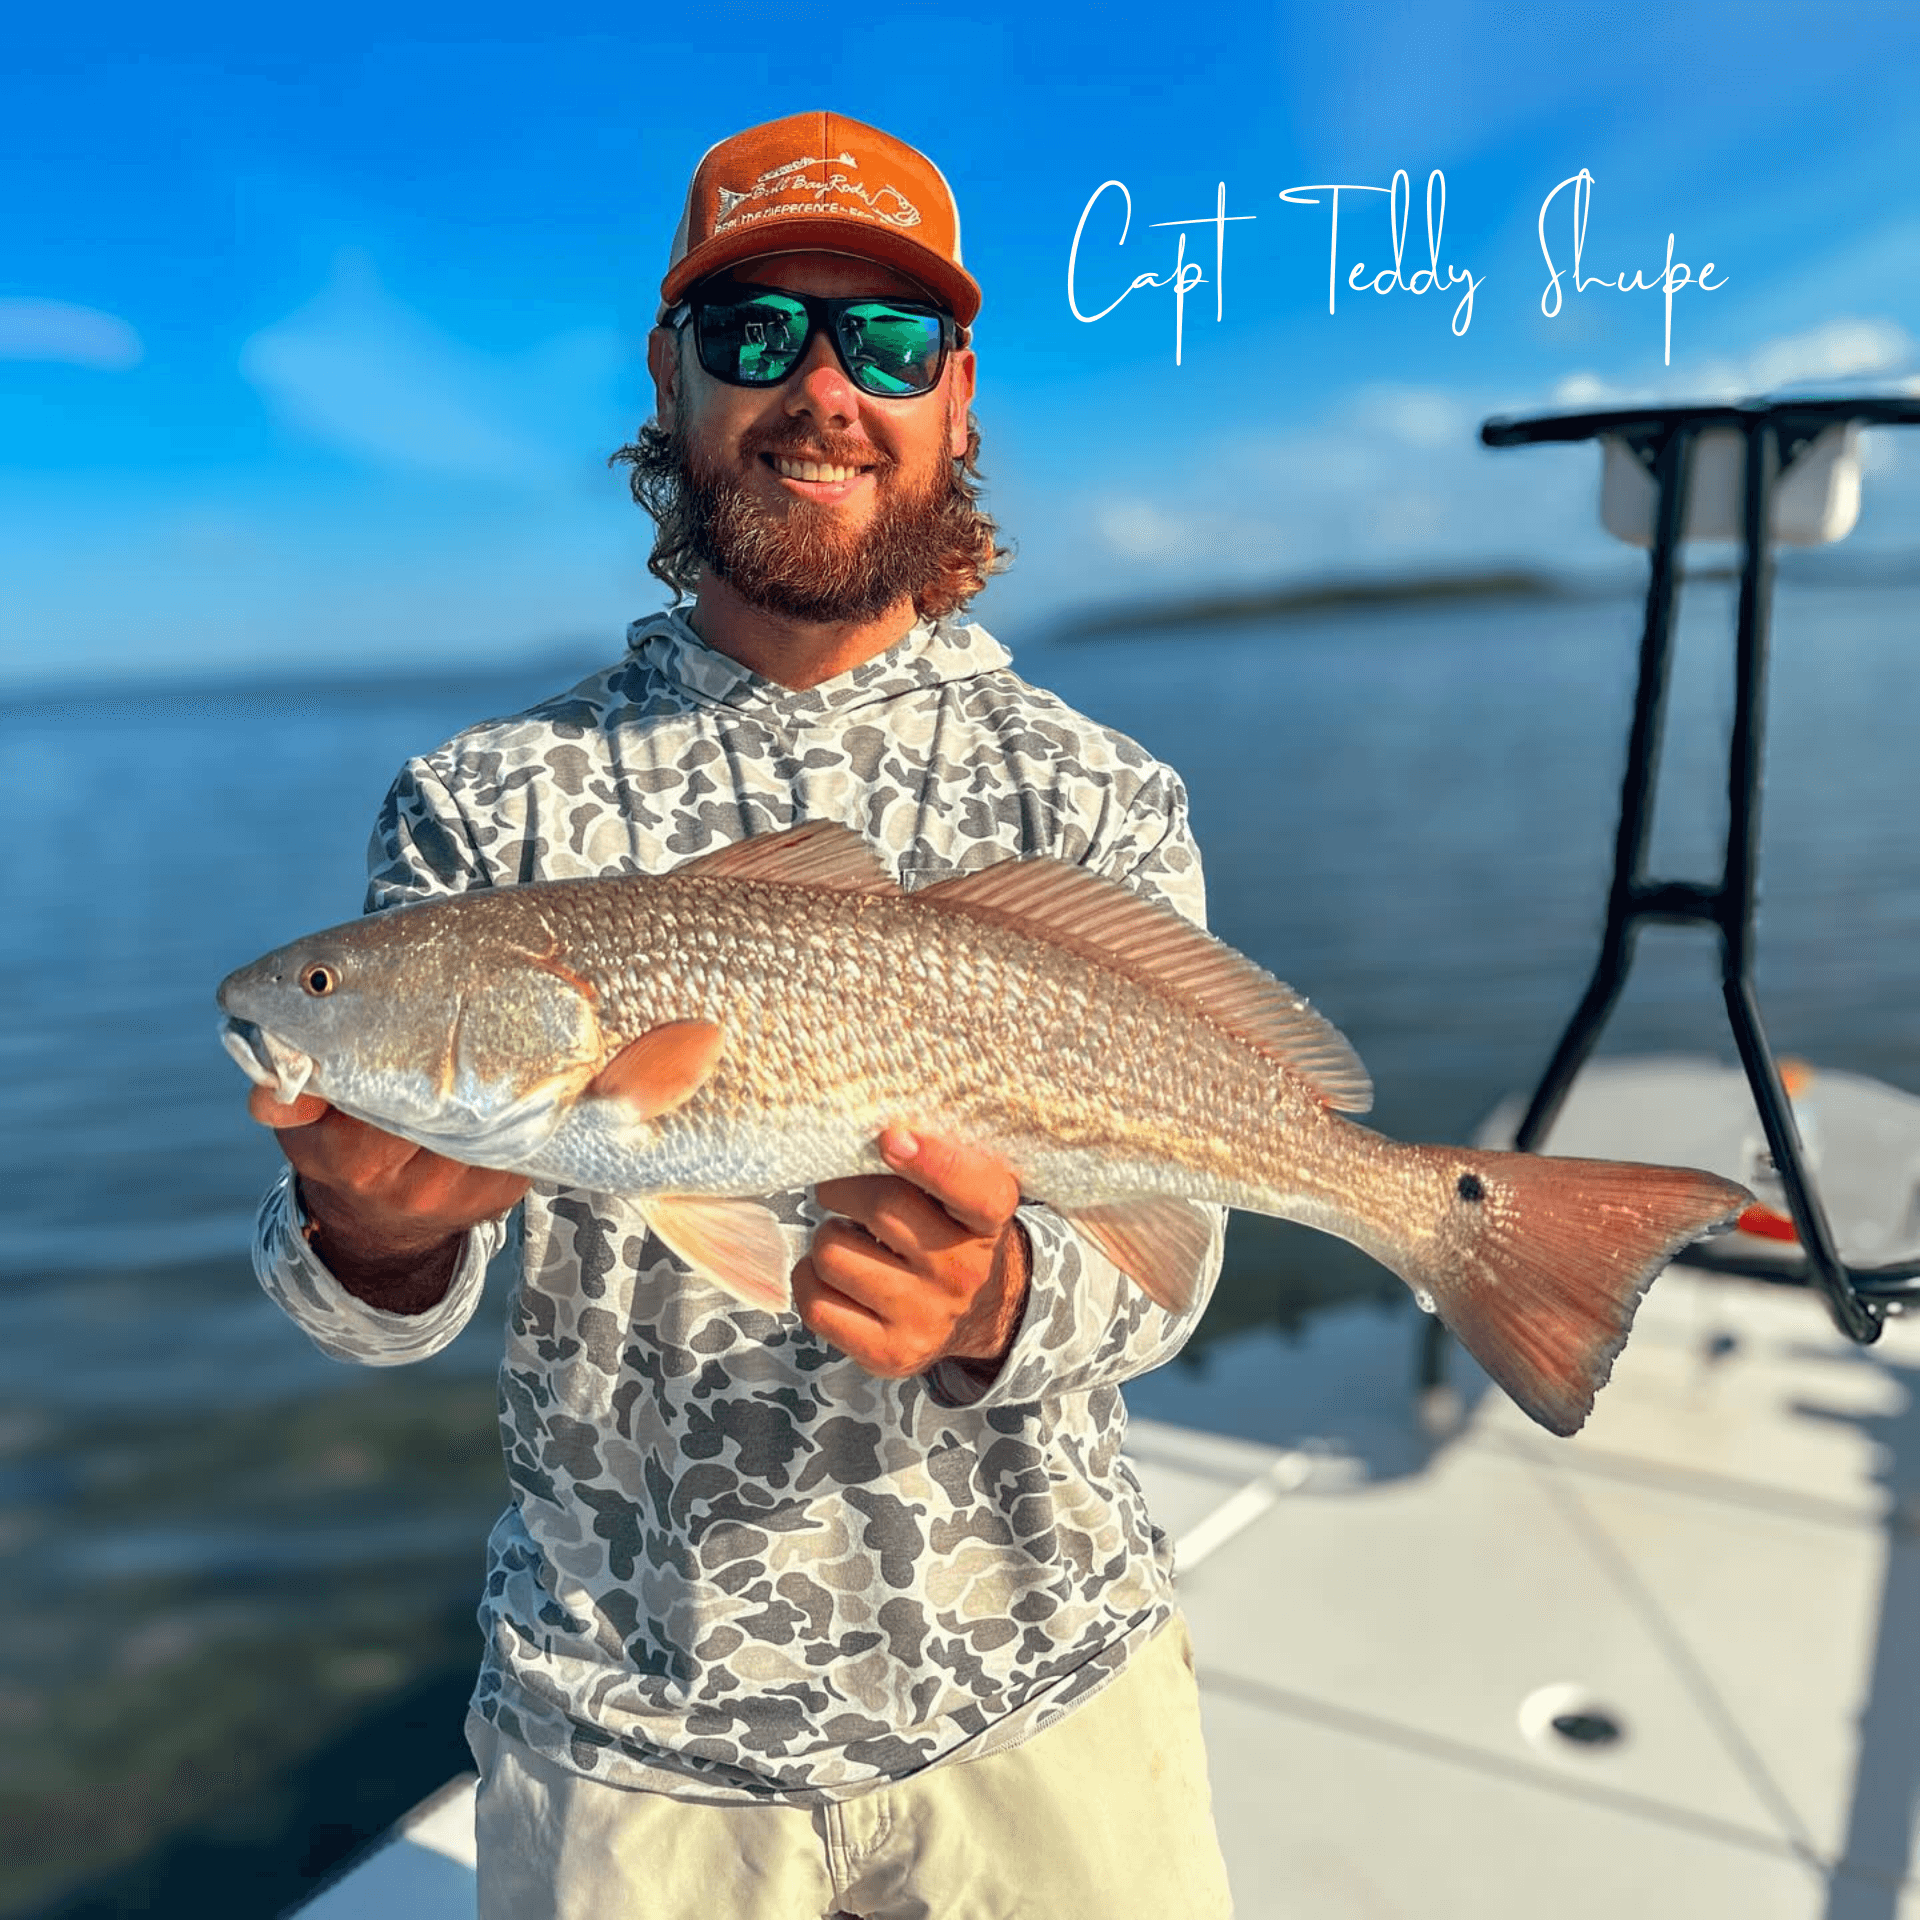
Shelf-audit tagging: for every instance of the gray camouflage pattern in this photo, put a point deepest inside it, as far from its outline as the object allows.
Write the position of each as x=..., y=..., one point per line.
x=738, y=1567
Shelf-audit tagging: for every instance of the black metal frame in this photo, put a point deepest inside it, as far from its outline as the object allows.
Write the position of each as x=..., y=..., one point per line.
x=1663, y=437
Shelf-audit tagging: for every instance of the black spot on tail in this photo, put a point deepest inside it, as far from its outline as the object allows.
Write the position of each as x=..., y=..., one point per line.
x=1469, y=1187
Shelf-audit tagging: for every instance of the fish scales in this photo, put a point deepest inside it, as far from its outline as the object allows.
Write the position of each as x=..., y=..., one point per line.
x=749, y=1023
x=846, y=1011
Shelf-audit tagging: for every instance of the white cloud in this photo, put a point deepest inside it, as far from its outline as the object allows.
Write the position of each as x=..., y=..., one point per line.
x=1418, y=416
x=54, y=330
x=1139, y=529
x=364, y=373
x=1582, y=390
x=1213, y=541
x=1840, y=350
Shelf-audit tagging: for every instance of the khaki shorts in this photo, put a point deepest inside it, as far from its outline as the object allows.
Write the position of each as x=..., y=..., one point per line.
x=1104, y=1816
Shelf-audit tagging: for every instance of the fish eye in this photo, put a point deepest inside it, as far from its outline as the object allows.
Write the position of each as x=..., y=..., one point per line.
x=319, y=980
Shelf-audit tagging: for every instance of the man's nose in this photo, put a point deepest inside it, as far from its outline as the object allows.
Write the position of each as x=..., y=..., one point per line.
x=819, y=388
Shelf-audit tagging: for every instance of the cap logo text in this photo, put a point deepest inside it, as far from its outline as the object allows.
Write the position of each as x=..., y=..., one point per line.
x=885, y=203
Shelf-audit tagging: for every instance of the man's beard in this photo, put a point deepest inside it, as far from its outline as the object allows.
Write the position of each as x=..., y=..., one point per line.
x=804, y=566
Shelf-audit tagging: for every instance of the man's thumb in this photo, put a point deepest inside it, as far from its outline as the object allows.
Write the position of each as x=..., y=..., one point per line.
x=302, y=1111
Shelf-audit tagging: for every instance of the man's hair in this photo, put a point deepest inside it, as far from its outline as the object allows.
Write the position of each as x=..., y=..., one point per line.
x=966, y=555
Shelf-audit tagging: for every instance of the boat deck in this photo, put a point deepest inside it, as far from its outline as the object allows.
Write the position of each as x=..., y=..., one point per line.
x=1722, y=1570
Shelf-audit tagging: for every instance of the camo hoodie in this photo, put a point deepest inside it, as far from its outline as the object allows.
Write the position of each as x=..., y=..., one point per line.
x=737, y=1567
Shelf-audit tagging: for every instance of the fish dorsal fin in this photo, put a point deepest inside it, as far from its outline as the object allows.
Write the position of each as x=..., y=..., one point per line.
x=1084, y=911
x=821, y=853
x=1158, y=1244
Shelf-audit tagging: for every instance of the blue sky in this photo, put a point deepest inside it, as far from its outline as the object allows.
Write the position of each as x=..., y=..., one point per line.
x=314, y=338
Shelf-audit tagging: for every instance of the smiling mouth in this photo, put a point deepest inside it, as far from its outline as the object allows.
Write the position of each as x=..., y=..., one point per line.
x=816, y=470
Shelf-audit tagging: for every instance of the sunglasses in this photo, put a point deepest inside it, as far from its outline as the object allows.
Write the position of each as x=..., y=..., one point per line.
x=756, y=336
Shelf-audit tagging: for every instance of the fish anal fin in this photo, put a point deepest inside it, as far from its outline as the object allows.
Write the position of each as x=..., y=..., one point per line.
x=1159, y=1245
x=1084, y=911
x=735, y=1244
x=820, y=853
x=661, y=1070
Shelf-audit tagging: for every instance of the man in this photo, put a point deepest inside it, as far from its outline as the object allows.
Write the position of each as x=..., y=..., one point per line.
x=854, y=1609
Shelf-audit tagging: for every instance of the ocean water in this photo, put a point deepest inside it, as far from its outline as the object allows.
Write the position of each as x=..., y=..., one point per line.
x=236, y=1579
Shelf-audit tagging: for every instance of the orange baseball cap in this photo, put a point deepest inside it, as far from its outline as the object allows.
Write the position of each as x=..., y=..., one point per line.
x=822, y=181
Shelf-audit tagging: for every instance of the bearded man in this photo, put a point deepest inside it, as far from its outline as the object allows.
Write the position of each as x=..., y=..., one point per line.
x=854, y=1609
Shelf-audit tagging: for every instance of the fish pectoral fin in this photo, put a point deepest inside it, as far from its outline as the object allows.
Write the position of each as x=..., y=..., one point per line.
x=736, y=1244
x=1160, y=1245
x=661, y=1070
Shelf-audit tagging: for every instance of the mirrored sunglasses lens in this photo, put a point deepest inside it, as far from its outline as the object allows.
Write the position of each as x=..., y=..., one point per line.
x=888, y=350
x=752, y=342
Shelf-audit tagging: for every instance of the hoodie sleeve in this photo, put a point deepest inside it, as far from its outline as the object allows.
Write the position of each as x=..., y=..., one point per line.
x=1085, y=1324
x=420, y=848
x=342, y=1326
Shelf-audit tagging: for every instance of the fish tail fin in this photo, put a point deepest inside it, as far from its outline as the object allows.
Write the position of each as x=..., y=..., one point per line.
x=1539, y=1263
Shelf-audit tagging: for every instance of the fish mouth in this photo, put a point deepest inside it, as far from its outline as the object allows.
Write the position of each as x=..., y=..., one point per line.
x=267, y=1061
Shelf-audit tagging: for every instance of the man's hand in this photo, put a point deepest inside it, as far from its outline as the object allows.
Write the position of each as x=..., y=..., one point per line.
x=930, y=1266
x=389, y=1218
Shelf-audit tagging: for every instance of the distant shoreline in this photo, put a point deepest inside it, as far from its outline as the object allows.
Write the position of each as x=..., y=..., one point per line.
x=1361, y=593
x=1354, y=594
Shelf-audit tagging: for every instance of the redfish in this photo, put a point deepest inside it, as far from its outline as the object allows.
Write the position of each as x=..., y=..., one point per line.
x=750, y=1022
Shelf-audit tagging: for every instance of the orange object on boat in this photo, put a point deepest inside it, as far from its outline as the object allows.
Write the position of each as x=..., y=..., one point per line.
x=1765, y=1223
